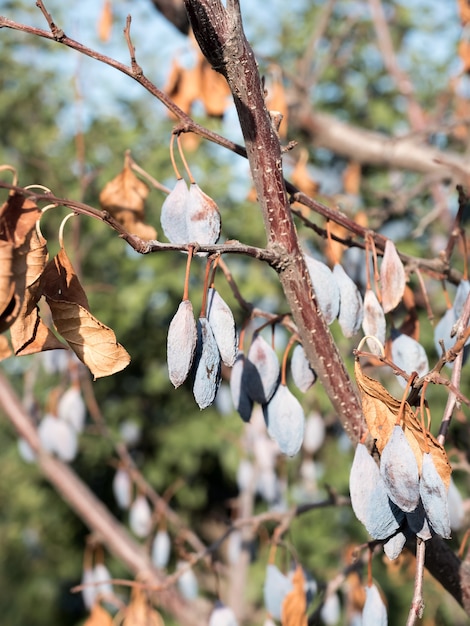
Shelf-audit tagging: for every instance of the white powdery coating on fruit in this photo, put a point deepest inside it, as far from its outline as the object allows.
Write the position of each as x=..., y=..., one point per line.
x=314, y=434
x=276, y=587
x=187, y=582
x=369, y=497
x=285, y=420
x=460, y=297
x=241, y=400
x=418, y=522
x=207, y=376
x=122, y=488
x=174, y=213
x=302, y=374
x=223, y=616
x=374, y=612
x=399, y=470
x=161, y=548
x=181, y=343
x=433, y=494
x=71, y=408
x=203, y=217
x=331, y=610
x=140, y=517
x=325, y=287
x=102, y=575
x=455, y=505
x=373, y=322
x=223, y=326
x=351, y=309
x=58, y=437
x=394, y=546
x=261, y=371
x=410, y=356
x=392, y=277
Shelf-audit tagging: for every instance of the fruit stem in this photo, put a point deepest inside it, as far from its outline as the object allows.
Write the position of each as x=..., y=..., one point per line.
x=188, y=269
x=405, y=395
x=172, y=157
x=290, y=343
x=185, y=163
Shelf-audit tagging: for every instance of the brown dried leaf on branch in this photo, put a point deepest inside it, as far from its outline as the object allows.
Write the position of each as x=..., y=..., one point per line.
x=381, y=411
x=140, y=613
x=94, y=343
x=464, y=10
x=294, y=606
x=276, y=99
x=464, y=54
x=105, y=22
x=99, y=617
x=124, y=198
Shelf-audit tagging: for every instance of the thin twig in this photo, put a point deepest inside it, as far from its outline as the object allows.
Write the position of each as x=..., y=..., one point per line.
x=417, y=603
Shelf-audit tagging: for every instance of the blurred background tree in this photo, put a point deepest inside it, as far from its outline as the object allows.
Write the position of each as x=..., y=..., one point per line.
x=66, y=123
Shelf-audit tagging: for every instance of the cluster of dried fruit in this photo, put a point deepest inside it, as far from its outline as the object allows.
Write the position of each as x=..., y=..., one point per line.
x=407, y=492
x=200, y=348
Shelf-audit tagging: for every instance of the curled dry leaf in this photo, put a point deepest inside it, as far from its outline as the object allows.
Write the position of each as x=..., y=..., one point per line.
x=7, y=285
x=373, y=322
x=374, y=612
x=207, y=365
x=203, y=217
x=223, y=326
x=392, y=277
x=399, y=470
x=351, y=309
x=261, y=371
x=181, y=343
x=381, y=412
x=124, y=197
x=369, y=497
x=240, y=398
x=302, y=374
x=294, y=605
x=173, y=214
x=285, y=420
x=94, y=343
x=325, y=287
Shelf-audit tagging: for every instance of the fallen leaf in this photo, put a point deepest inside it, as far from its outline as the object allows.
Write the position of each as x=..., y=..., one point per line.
x=294, y=606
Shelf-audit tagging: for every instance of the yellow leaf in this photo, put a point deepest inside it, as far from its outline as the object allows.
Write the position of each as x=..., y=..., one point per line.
x=294, y=606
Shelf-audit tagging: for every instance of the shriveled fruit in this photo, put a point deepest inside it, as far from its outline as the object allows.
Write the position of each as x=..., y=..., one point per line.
x=434, y=497
x=369, y=498
x=409, y=355
x=181, y=343
x=187, y=582
x=394, y=546
x=399, y=470
x=174, y=213
x=207, y=365
x=392, y=277
x=276, y=587
x=122, y=488
x=373, y=322
x=456, y=507
x=302, y=373
x=314, y=434
x=374, y=612
x=351, y=309
x=222, y=616
x=418, y=522
x=261, y=371
x=223, y=326
x=203, y=217
x=241, y=400
x=285, y=420
x=325, y=287
x=58, y=437
x=161, y=548
x=140, y=517
x=71, y=409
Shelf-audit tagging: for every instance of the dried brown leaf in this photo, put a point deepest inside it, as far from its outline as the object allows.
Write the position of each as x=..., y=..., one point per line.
x=294, y=606
x=183, y=86
x=7, y=285
x=105, y=22
x=5, y=350
x=140, y=613
x=277, y=101
x=94, y=343
x=29, y=334
x=464, y=10
x=381, y=411
x=99, y=617
x=301, y=176
x=214, y=90
x=352, y=178
x=18, y=216
x=392, y=277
